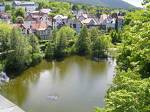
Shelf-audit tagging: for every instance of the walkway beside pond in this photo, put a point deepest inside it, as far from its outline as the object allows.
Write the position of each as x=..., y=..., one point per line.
x=8, y=106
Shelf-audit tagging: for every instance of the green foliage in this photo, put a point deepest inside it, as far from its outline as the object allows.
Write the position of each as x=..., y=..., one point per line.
x=21, y=57
x=19, y=52
x=57, y=7
x=94, y=33
x=137, y=16
x=100, y=110
x=36, y=52
x=130, y=91
x=7, y=7
x=65, y=42
x=4, y=37
x=116, y=37
x=136, y=38
x=1, y=67
x=50, y=51
x=83, y=42
x=60, y=44
x=76, y=7
x=19, y=12
x=99, y=43
x=99, y=47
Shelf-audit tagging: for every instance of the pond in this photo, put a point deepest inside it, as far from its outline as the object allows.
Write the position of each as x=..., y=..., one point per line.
x=76, y=84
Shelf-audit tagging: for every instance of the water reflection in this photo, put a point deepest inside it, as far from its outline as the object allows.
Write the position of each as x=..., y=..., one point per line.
x=79, y=83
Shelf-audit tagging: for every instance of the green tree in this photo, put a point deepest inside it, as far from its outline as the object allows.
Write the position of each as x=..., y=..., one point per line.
x=50, y=51
x=130, y=90
x=61, y=43
x=116, y=37
x=7, y=8
x=75, y=7
x=36, y=52
x=94, y=33
x=99, y=47
x=21, y=57
x=19, y=12
x=83, y=42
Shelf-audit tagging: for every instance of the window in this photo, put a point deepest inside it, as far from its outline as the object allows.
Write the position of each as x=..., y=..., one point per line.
x=74, y=25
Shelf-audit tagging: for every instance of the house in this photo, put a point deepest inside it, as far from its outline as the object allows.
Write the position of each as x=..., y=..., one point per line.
x=38, y=16
x=78, y=13
x=107, y=22
x=90, y=22
x=120, y=21
x=110, y=23
x=59, y=21
x=24, y=29
x=37, y=22
x=5, y=17
x=42, y=30
x=28, y=6
x=75, y=24
x=46, y=11
x=103, y=18
x=35, y=16
x=82, y=17
x=2, y=7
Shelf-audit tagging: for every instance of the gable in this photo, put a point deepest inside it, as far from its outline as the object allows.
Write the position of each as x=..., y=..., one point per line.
x=92, y=22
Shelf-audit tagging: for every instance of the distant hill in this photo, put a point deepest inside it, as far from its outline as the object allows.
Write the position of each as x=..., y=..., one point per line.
x=105, y=3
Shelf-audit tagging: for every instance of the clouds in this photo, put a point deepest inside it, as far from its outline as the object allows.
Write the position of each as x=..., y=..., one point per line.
x=136, y=3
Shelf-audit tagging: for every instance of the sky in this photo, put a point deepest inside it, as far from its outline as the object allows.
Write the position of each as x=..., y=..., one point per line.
x=136, y=3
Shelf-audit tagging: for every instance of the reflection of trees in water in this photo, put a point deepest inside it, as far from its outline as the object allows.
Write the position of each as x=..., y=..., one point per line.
x=97, y=68
x=88, y=65
x=61, y=67
x=64, y=66
x=83, y=66
x=16, y=92
x=17, y=89
x=33, y=73
x=82, y=63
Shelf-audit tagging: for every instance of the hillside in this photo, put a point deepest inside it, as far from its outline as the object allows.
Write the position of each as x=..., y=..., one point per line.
x=105, y=3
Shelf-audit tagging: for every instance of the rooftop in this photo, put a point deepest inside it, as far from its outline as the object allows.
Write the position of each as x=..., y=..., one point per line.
x=23, y=3
x=39, y=26
x=61, y=16
x=45, y=10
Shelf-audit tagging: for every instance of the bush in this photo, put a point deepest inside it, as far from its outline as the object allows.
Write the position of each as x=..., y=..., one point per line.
x=36, y=58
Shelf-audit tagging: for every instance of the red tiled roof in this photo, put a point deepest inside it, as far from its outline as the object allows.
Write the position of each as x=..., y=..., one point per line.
x=4, y=15
x=39, y=26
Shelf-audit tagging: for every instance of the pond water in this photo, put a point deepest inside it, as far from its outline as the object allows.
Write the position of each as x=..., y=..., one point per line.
x=73, y=85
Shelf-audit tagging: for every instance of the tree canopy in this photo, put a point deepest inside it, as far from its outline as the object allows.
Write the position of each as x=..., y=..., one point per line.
x=19, y=51
x=130, y=91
